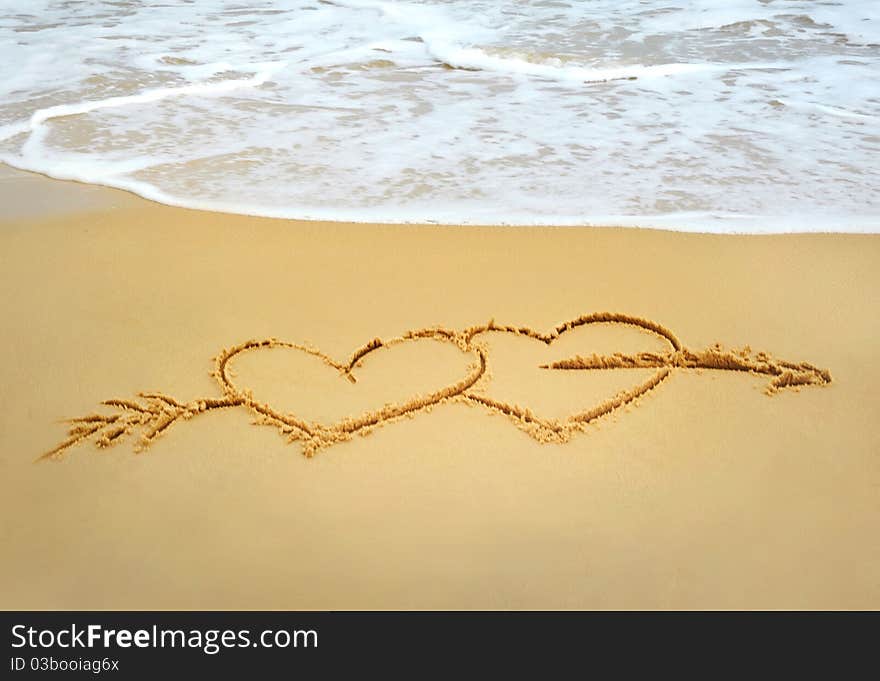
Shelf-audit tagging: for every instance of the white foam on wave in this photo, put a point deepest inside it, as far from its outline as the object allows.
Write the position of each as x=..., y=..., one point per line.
x=736, y=117
x=35, y=125
x=469, y=214
x=477, y=59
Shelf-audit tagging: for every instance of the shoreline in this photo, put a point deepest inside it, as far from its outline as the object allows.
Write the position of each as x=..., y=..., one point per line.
x=676, y=223
x=702, y=493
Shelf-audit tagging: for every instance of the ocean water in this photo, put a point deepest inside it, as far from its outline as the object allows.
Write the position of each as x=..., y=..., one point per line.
x=704, y=115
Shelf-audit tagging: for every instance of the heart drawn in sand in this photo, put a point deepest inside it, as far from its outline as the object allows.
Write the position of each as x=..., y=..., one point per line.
x=307, y=409
x=404, y=376
x=621, y=387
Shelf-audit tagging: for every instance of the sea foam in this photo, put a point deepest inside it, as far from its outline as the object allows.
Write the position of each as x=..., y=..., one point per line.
x=730, y=116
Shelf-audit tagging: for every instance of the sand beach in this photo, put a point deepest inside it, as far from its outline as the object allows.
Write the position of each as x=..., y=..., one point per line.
x=448, y=469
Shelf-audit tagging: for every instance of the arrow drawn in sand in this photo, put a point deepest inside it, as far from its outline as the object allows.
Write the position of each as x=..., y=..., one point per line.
x=152, y=414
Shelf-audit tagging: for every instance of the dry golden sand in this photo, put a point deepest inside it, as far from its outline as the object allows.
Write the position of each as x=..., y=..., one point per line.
x=698, y=490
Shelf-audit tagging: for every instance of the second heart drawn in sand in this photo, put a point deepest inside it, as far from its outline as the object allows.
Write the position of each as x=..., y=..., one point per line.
x=154, y=413
x=598, y=395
